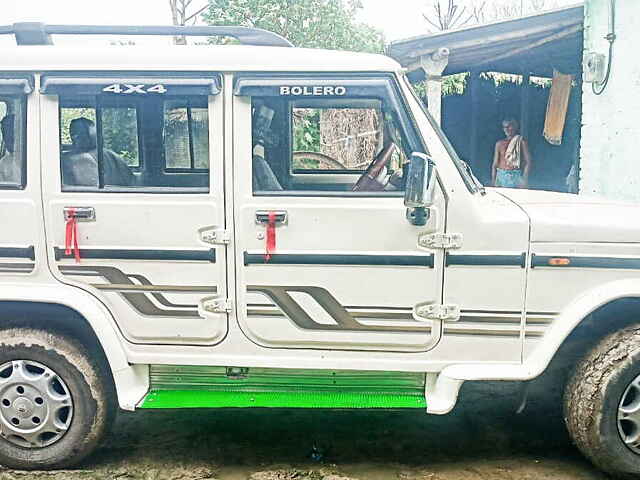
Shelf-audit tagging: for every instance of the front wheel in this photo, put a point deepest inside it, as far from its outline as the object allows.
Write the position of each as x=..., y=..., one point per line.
x=602, y=404
x=55, y=405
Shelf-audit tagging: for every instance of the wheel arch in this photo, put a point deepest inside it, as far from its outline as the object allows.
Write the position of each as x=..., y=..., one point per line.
x=73, y=312
x=585, y=322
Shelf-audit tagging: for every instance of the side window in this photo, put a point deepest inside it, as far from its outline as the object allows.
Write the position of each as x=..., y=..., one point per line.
x=134, y=143
x=186, y=135
x=326, y=145
x=12, y=142
x=335, y=139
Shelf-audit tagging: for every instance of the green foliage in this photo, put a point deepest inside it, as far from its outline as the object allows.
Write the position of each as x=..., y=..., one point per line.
x=327, y=24
x=68, y=114
x=451, y=85
x=306, y=130
x=119, y=127
x=120, y=133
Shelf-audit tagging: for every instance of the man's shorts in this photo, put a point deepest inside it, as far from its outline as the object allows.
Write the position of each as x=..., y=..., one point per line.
x=508, y=178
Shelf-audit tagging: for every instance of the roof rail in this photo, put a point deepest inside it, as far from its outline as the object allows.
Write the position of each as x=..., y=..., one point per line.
x=36, y=33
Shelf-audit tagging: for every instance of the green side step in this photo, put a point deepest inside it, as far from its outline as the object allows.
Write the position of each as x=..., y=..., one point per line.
x=281, y=399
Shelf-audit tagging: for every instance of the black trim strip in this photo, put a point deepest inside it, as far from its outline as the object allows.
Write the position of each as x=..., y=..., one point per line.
x=13, y=252
x=319, y=259
x=63, y=84
x=486, y=260
x=587, y=262
x=97, y=253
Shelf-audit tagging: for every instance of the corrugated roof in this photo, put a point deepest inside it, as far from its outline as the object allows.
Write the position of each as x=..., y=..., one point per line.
x=536, y=43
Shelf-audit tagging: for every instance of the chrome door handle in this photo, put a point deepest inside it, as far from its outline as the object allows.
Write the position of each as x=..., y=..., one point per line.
x=262, y=216
x=82, y=214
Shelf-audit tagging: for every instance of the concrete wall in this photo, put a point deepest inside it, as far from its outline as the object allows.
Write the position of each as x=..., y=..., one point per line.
x=610, y=145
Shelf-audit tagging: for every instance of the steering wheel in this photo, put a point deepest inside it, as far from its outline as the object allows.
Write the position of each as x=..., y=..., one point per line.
x=325, y=161
x=368, y=182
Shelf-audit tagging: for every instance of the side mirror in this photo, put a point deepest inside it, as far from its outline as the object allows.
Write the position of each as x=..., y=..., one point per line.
x=420, y=188
x=421, y=182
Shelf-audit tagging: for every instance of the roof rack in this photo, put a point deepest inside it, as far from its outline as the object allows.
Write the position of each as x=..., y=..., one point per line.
x=36, y=33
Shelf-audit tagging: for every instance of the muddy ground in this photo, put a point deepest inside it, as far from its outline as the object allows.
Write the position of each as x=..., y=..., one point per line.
x=482, y=439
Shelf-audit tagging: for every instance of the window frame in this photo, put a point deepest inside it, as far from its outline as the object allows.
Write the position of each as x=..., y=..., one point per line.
x=386, y=89
x=98, y=106
x=20, y=98
x=292, y=105
x=192, y=157
x=181, y=84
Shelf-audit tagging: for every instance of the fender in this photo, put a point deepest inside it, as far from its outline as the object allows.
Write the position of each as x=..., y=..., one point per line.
x=131, y=381
x=444, y=396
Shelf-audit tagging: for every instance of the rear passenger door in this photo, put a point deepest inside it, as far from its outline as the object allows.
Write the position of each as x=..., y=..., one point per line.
x=20, y=235
x=137, y=160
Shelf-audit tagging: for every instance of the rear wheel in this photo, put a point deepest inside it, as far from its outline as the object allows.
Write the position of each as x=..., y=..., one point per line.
x=55, y=404
x=602, y=404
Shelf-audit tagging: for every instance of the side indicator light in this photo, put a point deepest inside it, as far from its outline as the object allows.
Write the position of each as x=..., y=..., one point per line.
x=559, y=262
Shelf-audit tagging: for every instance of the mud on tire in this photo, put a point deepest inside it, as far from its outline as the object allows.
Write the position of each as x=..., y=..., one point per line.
x=592, y=398
x=84, y=383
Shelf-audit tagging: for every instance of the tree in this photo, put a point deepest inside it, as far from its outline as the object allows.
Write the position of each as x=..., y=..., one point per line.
x=516, y=8
x=328, y=24
x=458, y=13
x=452, y=15
x=181, y=15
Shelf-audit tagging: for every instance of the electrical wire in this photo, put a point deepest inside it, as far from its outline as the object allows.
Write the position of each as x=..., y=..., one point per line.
x=611, y=38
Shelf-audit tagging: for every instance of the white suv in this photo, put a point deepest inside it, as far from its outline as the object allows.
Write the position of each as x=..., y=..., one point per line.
x=263, y=226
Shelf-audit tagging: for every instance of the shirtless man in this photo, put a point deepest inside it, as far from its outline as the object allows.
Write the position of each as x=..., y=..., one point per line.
x=511, y=159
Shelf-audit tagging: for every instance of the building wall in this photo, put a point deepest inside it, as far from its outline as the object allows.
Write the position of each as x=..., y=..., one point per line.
x=610, y=145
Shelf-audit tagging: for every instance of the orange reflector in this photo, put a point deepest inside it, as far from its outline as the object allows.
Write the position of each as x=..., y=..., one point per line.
x=559, y=262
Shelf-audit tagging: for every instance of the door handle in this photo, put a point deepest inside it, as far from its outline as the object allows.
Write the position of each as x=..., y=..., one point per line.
x=81, y=214
x=262, y=216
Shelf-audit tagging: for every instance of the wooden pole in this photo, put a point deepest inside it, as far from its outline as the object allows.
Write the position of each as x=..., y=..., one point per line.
x=524, y=104
x=473, y=86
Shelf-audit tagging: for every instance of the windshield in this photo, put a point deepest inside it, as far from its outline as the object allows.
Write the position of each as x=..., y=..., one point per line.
x=472, y=183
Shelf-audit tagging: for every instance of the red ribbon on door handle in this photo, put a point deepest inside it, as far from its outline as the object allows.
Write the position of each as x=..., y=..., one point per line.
x=271, y=236
x=71, y=235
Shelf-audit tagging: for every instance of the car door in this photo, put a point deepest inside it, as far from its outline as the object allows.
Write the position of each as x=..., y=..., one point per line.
x=320, y=265
x=132, y=168
x=21, y=236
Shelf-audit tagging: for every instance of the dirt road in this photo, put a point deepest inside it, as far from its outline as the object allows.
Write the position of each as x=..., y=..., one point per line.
x=482, y=439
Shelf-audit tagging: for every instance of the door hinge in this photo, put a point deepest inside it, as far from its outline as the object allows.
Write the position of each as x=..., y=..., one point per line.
x=432, y=311
x=215, y=236
x=216, y=305
x=445, y=241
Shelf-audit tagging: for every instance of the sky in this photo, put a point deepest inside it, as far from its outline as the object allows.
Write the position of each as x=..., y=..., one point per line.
x=402, y=19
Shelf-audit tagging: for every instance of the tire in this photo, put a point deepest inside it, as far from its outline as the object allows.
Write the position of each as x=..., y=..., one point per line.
x=593, y=396
x=77, y=397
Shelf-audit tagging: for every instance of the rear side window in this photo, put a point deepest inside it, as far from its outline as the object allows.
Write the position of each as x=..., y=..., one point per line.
x=12, y=142
x=186, y=132
x=158, y=142
x=146, y=134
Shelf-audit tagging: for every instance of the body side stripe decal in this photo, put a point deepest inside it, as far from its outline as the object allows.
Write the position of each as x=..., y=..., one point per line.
x=136, y=295
x=17, y=267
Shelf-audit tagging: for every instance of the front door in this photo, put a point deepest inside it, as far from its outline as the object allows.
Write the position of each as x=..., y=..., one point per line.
x=137, y=161
x=326, y=258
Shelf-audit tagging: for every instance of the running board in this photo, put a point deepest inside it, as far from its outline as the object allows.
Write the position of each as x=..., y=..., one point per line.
x=220, y=387
x=281, y=399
